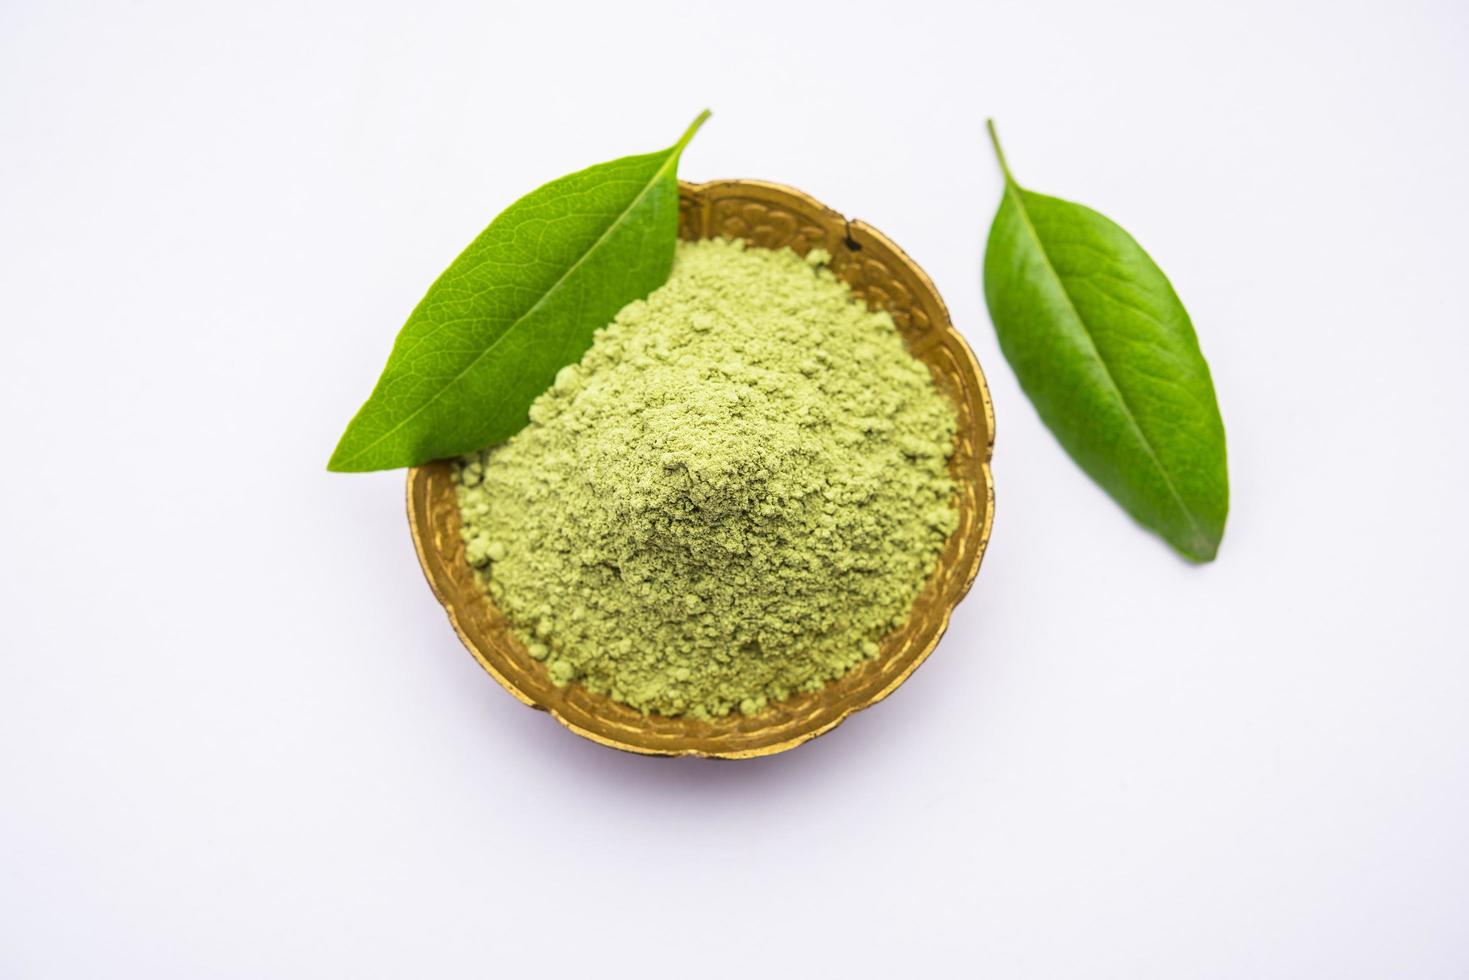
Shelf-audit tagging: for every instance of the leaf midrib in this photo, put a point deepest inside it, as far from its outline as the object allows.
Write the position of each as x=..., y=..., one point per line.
x=551, y=290
x=1013, y=189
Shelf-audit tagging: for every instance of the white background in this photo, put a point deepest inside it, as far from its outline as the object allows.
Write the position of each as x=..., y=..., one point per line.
x=238, y=738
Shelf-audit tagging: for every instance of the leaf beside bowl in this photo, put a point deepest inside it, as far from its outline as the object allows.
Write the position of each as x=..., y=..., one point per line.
x=1105, y=350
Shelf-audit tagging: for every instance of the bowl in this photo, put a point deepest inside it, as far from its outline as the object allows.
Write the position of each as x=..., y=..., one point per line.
x=767, y=216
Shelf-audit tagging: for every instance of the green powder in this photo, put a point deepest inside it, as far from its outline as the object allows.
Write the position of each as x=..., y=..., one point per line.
x=734, y=495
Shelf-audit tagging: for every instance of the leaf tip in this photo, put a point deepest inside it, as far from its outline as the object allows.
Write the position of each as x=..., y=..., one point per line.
x=1200, y=549
x=343, y=457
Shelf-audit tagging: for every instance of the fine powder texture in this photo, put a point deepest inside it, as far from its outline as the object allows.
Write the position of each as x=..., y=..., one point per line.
x=737, y=492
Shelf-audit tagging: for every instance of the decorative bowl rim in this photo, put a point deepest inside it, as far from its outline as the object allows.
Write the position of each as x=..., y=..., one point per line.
x=512, y=669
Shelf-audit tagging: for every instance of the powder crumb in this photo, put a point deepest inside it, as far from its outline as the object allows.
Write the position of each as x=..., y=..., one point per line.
x=732, y=497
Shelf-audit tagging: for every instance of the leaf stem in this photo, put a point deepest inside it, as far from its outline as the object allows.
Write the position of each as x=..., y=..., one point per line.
x=989, y=124
x=683, y=140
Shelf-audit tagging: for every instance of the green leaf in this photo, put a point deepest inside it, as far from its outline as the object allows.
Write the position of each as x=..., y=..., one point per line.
x=1106, y=353
x=520, y=303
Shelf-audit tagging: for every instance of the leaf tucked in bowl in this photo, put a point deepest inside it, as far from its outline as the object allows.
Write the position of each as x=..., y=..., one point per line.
x=520, y=303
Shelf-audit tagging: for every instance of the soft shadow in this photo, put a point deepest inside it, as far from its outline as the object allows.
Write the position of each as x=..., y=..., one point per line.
x=613, y=773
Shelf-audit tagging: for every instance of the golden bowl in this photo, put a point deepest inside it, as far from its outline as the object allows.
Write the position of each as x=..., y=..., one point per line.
x=767, y=216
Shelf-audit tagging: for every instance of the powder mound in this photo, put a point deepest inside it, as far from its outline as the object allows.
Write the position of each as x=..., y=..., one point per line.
x=735, y=494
